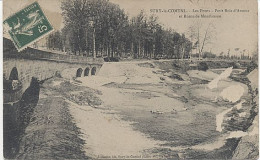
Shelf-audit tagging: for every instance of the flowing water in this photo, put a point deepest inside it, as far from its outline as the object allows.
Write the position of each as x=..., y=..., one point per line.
x=223, y=75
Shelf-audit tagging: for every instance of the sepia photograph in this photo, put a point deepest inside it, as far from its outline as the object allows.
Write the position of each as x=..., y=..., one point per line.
x=130, y=79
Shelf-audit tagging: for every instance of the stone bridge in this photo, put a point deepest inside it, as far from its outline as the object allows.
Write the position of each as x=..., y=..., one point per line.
x=21, y=67
x=20, y=70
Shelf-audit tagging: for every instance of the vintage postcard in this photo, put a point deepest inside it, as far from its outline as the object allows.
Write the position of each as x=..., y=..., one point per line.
x=130, y=79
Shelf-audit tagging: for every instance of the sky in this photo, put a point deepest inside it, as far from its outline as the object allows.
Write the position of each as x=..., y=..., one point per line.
x=232, y=30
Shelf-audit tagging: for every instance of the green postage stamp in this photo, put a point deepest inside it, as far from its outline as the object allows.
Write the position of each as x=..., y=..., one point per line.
x=27, y=26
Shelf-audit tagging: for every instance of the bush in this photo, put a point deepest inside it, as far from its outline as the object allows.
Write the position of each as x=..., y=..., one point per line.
x=106, y=59
x=176, y=66
x=176, y=76
x=111, y=59
x=58, y=74
x=251, y=66
x=148, y=65
x=181, y=66
x=203, y=66
x=114, y=59
x=236, y=65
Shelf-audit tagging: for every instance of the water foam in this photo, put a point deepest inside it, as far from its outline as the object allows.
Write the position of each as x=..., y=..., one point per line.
x=223, y=75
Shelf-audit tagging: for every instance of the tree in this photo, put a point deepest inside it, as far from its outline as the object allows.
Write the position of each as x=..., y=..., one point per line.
x=208, y=55
x=54, y=41
x=99, y=27
x=202, y=35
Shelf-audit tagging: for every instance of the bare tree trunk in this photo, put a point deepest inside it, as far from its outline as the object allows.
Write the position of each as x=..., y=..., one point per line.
x=139, y=49
x=112, y=47
x=163, y=50
x=132, y=49
x=102, y=48
x=107, y=46
x=183, y=51
x=204, y=40
x=143, y=51
x=94, y=44
x=86, y=42
x=199, y=42
x=150, y=52
x=153, y=51
x=79, y=42
x=109, y=49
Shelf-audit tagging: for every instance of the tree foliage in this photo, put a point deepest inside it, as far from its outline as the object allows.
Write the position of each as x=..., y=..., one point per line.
x=99, y=27
x=54, y=41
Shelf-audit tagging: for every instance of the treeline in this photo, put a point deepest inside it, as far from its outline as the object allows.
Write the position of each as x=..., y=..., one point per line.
x=100, y=28
x=210, y=55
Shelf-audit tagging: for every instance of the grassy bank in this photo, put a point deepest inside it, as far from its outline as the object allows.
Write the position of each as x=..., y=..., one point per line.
x=51, y=132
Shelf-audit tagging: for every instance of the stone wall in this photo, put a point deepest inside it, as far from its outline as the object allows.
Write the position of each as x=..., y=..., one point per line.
x=43, y=64
x=40, y=69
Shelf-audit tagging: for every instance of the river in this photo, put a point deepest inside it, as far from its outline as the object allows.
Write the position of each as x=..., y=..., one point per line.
x=144, y=111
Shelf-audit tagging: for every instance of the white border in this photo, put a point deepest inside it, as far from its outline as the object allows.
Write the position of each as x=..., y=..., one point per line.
x=1, y=80
x=258, y=72
x=1, y=72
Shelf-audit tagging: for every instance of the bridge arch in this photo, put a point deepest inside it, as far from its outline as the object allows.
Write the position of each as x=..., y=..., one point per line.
x=14, y=74
x=86, y=72
x=93, y=71
x=79, y=72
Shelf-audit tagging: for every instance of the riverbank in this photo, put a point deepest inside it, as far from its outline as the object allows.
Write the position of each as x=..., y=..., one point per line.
x=51, y=132
x=248, y=146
